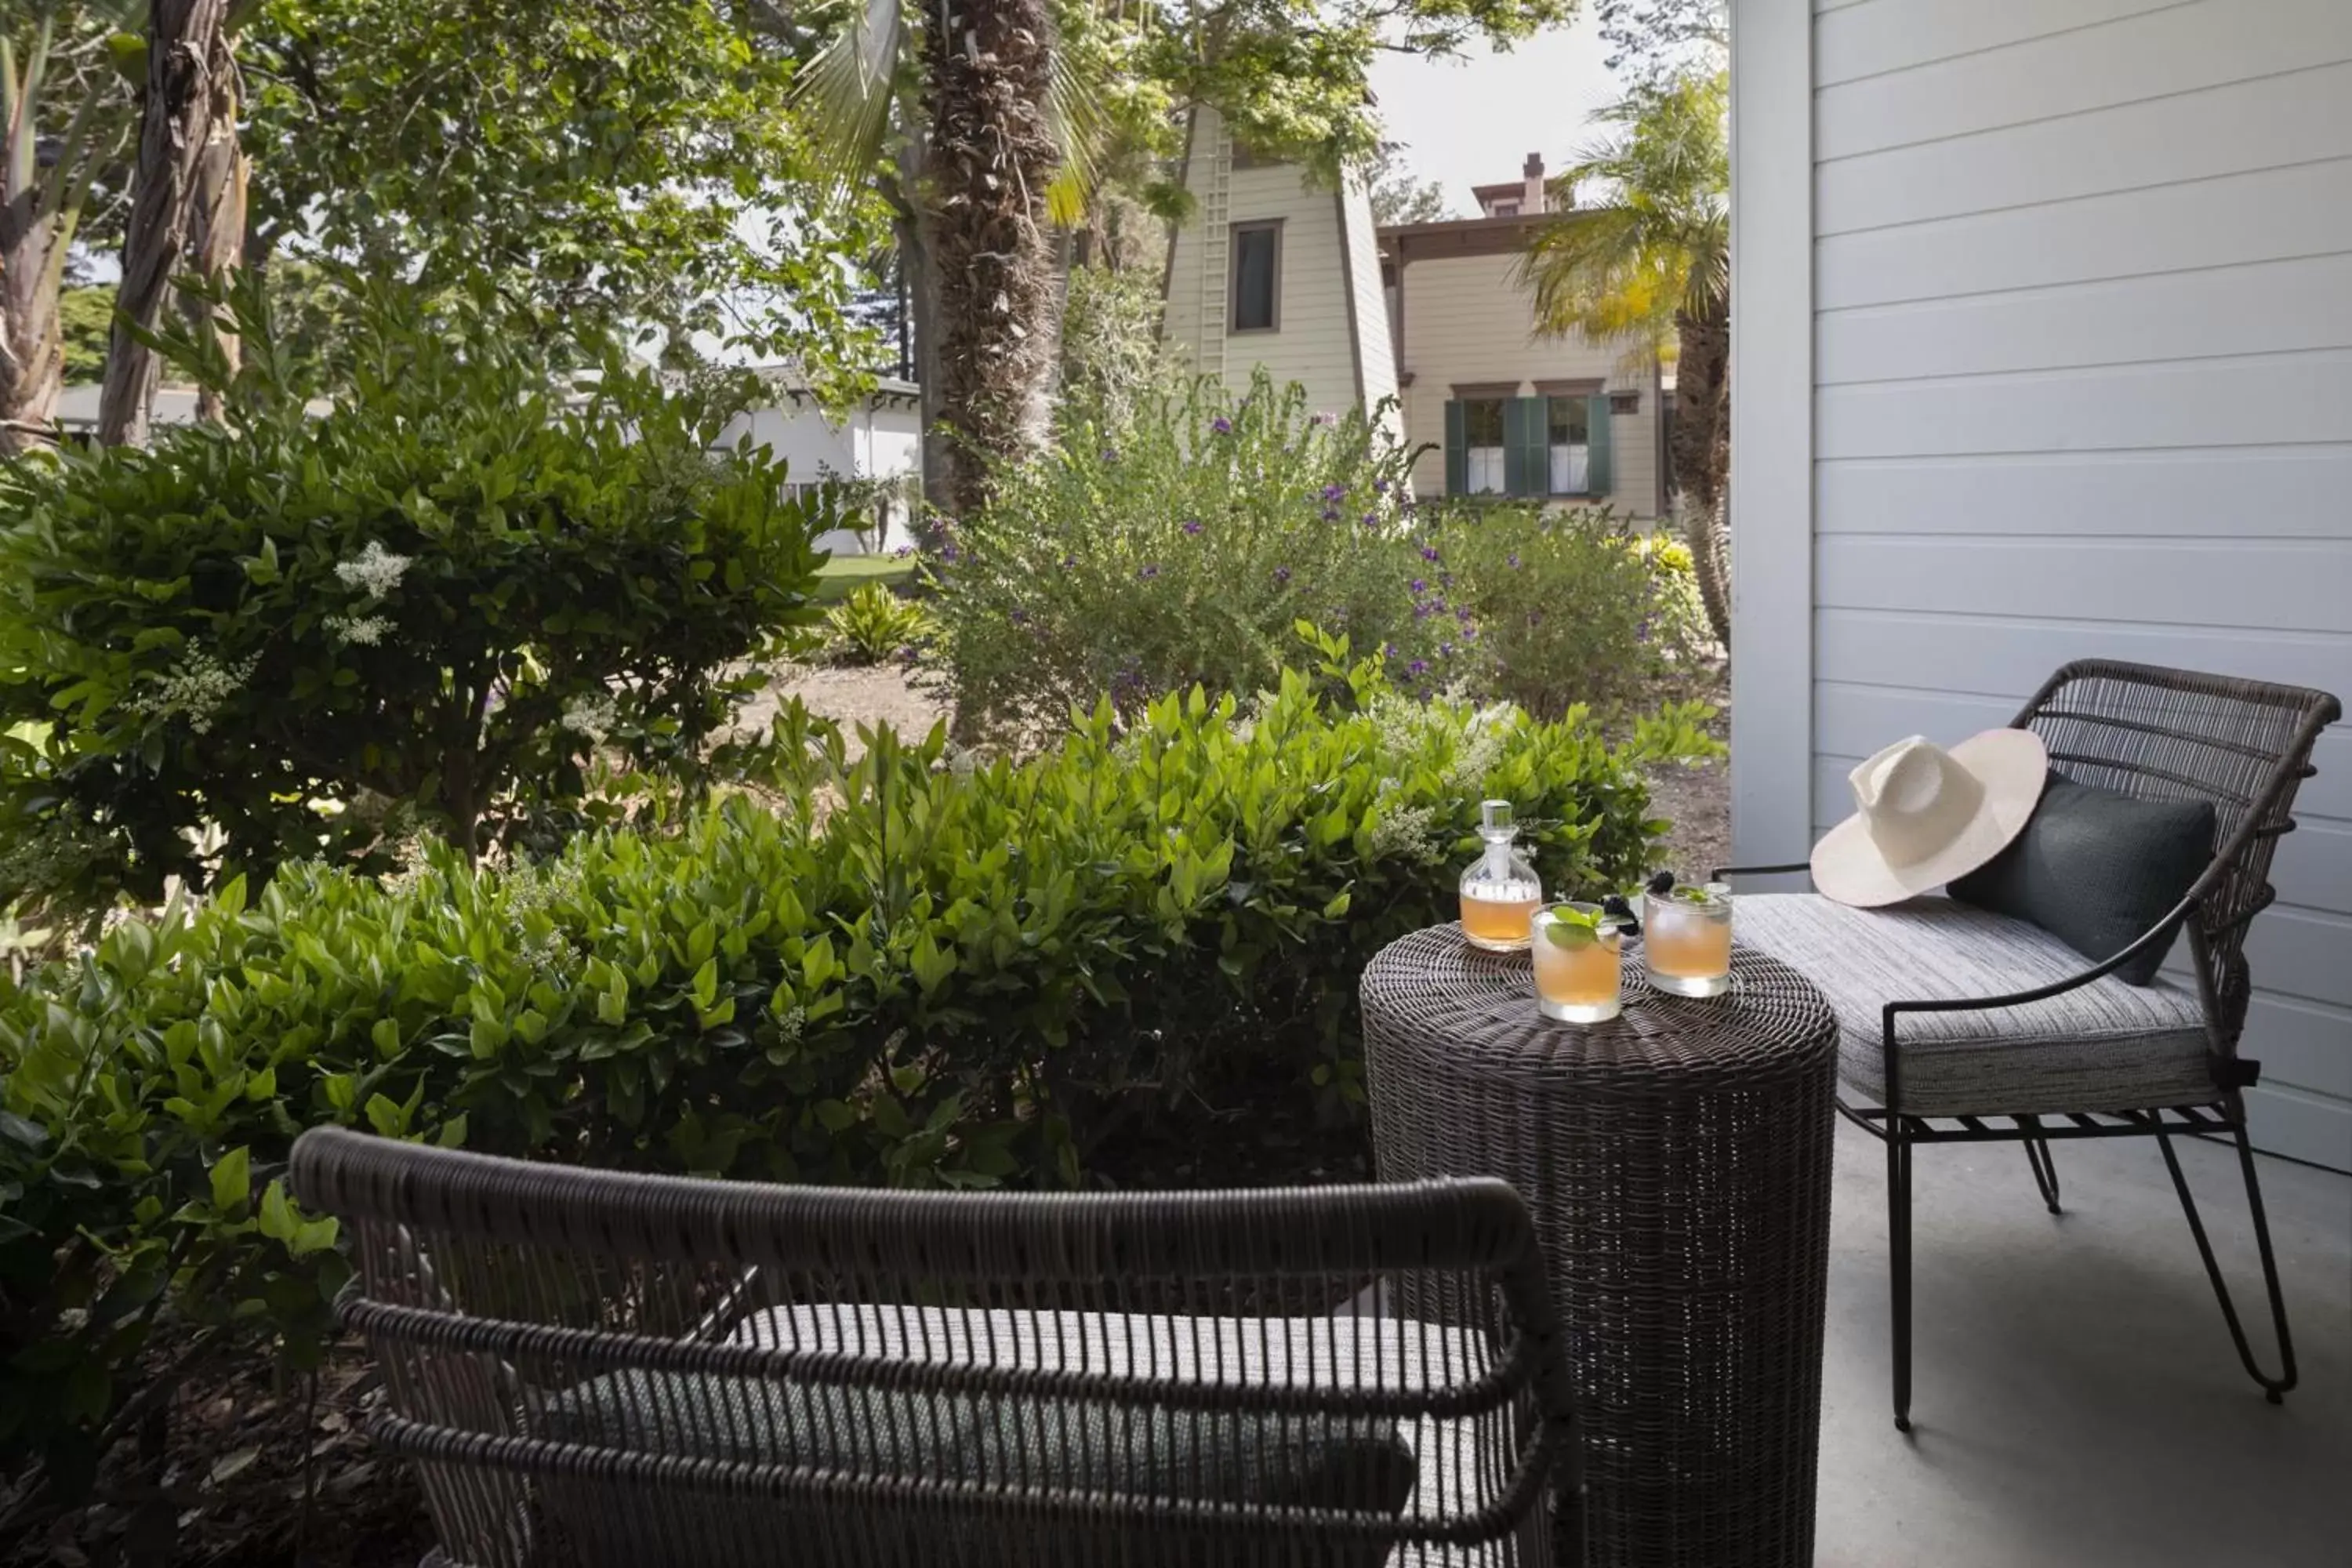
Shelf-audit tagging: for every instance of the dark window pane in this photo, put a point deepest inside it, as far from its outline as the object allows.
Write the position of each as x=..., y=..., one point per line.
x=1482, y=422
x=1569, y=417
x=1253, y=278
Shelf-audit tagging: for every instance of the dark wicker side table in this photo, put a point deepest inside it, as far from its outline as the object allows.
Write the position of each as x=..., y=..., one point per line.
x=1677, y=1164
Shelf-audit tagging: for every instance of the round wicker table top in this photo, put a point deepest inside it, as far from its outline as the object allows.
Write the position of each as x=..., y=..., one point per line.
x=1480, y=1007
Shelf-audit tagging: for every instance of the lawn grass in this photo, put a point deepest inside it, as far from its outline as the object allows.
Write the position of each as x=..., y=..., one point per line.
x=844, y=574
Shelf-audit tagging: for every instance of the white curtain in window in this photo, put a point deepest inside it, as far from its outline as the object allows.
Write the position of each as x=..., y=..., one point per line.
x=1485, y=474
x=1568, y=468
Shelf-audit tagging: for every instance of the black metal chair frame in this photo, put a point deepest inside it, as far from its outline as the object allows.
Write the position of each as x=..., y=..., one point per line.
x=2216, y=910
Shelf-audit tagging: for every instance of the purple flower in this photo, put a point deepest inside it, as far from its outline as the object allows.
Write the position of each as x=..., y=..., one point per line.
x=902, y=551
x=1462, y=614
x=1150, y=571
x=1379, y=486
x=1534, y=617
x=1331, y=514
x=1069, y=563
x=1281, y=574
x=1323, y=419
x=1388, y=650
x=1020, y=617
x=1334, y=492
x=949, y=554
x=1445, y=650
x=1191, y=525
x=1418, y=586
x=1429, y=553
x=1221, y=425
x=1110, y=453
x=1417, y=666
x=1514, y=559
x=1371, y=520
x=1642, y=631
x=1422, y=611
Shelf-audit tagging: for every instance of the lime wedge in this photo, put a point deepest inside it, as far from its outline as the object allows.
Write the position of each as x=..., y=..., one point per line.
x=1563, y=934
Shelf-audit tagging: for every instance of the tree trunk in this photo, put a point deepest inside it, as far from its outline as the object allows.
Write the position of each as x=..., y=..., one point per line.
x=43, y=184
x=216, y=241
x=1702, y=455
x=921, y=281
x=989, y=159
x=174, y=130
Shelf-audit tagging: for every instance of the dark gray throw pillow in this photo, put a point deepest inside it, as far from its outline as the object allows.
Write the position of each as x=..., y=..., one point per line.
x=2095, y=869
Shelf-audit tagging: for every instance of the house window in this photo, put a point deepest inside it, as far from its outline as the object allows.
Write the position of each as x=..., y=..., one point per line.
x=1257, y=277
x=1569, y=444
x=1504, y=209
x=1482, y=446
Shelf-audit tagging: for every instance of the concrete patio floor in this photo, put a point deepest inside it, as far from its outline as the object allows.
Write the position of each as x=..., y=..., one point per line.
x=2076, y=1400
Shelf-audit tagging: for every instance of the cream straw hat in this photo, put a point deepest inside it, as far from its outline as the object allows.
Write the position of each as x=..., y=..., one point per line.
x=1925, y=815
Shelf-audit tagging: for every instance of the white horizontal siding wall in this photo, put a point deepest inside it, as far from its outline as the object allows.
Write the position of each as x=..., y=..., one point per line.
x=2081, y=279
x=1315, y=341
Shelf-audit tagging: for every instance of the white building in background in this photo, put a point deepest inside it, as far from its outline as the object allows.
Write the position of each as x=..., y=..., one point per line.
x=1493, y=405
x=880, y=439
x=1274, y=270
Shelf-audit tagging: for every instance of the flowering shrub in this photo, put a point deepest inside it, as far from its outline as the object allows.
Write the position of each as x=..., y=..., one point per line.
x=916, y=974
x=315, y=634
x=1550, y=608
x=1143, y=556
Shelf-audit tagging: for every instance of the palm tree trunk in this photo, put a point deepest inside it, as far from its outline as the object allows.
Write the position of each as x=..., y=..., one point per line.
x=989, y=159
x=1701, y=455
x=174, y=125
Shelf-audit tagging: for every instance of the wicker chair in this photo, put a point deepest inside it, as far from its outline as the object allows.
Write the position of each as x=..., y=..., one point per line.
x=2006, y=1035
x=589, y=1367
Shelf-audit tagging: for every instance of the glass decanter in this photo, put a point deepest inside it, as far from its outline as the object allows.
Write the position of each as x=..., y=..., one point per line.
x=1500, y=892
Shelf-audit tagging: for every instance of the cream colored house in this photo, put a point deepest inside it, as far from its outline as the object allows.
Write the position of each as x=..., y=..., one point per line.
x=1273, y=270
x=1495, y=407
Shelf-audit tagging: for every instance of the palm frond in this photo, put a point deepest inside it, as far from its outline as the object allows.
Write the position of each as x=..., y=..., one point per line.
x=844, y=95
x=1081, y=131
x=1655, y=242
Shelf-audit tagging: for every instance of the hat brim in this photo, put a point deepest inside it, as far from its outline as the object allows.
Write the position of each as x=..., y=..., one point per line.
x=2011, y=765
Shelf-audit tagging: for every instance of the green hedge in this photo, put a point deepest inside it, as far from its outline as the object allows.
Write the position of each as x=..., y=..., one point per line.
x=917, y=972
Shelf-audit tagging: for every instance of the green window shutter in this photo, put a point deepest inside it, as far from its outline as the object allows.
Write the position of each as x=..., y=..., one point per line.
x=1596, y=462
x=1458, y=458
x=1527, y=462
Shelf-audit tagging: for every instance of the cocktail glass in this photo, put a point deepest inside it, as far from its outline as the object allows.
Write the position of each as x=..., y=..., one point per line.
x=1687, y=939
x=1576, y=964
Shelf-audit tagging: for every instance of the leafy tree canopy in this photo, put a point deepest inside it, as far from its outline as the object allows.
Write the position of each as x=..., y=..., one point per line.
x=1397, y=196
x=598, y=162
x=1289, y=75
x=1653, y=38
x=86, y=316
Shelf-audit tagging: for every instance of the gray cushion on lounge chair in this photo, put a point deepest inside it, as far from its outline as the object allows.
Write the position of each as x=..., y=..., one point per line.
x=2105, y=1046
x=1264, y=1459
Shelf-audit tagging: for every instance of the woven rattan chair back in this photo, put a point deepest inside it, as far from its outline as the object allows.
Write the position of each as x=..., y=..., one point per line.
x=594, y=1367
x=2173, y=734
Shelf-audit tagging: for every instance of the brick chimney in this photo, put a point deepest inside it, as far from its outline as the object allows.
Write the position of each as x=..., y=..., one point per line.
x=1537, y=198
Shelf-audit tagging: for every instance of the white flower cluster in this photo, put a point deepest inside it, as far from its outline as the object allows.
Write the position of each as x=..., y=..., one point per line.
x=359, y=631
x=194, y=689
x=1484, y=739
x=377, y=571
x=593, y=715
x=790, y=1025
x=1405, y=831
